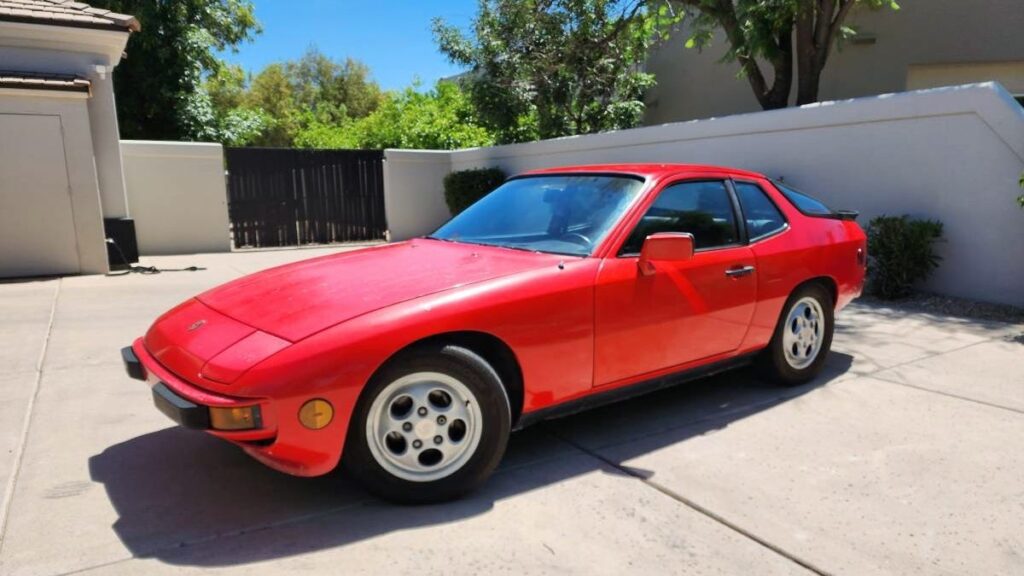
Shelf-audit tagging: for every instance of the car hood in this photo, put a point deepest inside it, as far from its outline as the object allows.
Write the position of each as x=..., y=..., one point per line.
x=300, y=299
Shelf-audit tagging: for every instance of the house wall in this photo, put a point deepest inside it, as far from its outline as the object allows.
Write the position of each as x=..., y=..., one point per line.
x=178, y=196
x=954, y=154
x=90, y=54
x=68, y=113
x=982, y=37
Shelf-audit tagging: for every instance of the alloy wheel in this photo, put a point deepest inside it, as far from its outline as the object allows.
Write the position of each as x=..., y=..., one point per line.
x=803, y=334
x=424, y=426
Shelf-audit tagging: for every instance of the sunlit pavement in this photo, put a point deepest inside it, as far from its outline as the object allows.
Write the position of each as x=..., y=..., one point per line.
x=904, y=457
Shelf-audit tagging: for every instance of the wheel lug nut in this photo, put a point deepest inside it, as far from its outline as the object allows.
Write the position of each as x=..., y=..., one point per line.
x=438, y=440
x=442, y=420
x=417, y=444
x=422, y=411
x=407, y=426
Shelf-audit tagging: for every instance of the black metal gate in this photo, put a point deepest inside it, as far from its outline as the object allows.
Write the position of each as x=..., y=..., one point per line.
x=290, y=197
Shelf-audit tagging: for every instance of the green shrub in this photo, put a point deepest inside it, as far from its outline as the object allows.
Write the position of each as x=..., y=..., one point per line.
x=463, y=188
x=901, y=252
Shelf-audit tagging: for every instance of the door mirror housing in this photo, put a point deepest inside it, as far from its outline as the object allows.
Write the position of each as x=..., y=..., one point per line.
x=665, y=247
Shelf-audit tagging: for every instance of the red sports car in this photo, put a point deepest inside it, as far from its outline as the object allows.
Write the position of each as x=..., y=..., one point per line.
x=563, y=289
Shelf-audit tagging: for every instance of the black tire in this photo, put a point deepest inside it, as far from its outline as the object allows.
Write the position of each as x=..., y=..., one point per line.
x=485, y=385
x=772, y=362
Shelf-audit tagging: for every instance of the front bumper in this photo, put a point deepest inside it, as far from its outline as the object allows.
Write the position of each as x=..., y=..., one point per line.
x=288, y=448
x=186, y=413
x=190, y=406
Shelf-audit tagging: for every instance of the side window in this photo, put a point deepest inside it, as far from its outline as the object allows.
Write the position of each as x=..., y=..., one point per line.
x=760, y=213
x=803, y=202
x=700, y=208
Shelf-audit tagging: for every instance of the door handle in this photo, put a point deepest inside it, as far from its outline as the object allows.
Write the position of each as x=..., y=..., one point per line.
x=739, y=271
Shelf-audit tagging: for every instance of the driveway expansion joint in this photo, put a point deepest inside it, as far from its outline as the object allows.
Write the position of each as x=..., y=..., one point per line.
x=947, y=394
x=19, y=451
x=879, y=375
x=806, y=564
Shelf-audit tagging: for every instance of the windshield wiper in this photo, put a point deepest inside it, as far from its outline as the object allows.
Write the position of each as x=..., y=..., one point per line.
x=520, y=248
x=506, y=246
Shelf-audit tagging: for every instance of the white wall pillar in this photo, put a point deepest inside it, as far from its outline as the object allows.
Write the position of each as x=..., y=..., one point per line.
x=106, y=144
x=414, y=191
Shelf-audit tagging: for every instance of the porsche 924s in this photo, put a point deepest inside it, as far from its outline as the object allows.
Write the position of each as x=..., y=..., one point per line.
x=410, y=363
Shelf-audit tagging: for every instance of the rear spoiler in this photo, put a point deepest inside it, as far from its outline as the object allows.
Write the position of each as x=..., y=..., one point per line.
x=850, y=215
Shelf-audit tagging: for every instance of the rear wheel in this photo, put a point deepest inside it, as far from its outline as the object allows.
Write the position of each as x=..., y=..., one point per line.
x=431, y=426
x=802, y=339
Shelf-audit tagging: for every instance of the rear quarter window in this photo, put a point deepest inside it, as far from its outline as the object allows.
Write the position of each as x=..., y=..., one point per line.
x=804, y=203
x=760, y=213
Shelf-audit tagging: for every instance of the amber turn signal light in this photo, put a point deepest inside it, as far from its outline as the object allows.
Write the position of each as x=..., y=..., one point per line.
x=243, y=418
x=316, y=414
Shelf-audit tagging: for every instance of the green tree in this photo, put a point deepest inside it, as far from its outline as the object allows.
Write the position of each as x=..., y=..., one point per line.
x=159, y=86
x=227, y=87
x=298, y=95
x=333, y=88
x=271, y=92
x=230, y=120
x=548, y=68
x=773, y=32
x=442, y=118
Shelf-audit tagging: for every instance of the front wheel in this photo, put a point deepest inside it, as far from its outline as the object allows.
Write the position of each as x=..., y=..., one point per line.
x=802, y=338
x=430, y=426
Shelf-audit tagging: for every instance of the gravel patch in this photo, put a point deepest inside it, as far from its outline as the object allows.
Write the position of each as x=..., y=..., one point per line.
x=960, y=307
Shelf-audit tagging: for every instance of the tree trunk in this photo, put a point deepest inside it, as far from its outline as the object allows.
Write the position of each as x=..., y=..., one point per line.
x=782, y=85
x=806, y=53
x=807, y=86
x=770, y=98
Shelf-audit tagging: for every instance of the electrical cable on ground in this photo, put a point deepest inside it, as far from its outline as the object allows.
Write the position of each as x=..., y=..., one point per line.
x=130, y=268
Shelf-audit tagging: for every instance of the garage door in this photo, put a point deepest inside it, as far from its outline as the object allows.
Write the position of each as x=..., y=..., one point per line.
x=37, y=230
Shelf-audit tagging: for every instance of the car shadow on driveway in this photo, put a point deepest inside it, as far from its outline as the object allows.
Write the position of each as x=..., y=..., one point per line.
x=177, y=491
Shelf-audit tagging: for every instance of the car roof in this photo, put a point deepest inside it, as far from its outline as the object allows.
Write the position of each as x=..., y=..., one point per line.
x=646, y=170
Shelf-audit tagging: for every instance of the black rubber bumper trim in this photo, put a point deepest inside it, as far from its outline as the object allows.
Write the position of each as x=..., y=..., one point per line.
x=185, y=413
x=132, y=365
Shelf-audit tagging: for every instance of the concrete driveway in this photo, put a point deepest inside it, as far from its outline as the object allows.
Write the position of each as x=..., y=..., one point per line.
x=905, y=457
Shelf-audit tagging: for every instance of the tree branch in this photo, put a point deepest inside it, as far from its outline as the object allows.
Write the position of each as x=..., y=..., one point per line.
x=624, y=20
x=823, y=23
x=836, y=24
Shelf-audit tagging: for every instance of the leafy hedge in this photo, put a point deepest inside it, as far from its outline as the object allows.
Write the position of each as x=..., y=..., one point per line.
x=902, y=253
x=463, y=188
x=1020, y=199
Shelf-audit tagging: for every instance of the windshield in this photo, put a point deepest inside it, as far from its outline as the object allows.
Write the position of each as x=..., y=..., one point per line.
x=557, y=214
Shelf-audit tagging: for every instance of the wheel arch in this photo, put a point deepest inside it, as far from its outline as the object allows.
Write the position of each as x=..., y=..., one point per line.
x=826, y=282
x=493, y=350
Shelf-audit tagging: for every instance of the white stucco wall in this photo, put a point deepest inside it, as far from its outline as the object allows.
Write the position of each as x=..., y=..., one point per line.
x=973, y=34
x=413, y=191
x=69, y=111
x=177, y=196
x=954, y=154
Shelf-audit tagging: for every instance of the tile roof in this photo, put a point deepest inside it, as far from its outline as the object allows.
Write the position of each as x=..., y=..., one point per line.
x=65, y=13
x=34, y=81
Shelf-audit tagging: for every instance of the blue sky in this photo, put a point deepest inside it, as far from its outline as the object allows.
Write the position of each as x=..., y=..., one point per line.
x=391, y=36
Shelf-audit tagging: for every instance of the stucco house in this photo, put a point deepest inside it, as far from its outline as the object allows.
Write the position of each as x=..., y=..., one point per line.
x=925, y=44
x=61, y=176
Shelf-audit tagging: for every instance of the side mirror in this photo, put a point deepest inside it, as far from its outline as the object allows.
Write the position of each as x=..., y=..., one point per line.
x=667, y=247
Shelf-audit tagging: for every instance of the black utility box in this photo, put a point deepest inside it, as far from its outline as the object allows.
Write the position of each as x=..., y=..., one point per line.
x=122, y=232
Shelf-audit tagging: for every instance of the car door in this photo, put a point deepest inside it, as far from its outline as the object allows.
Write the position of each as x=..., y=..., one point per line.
x=686, y=311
